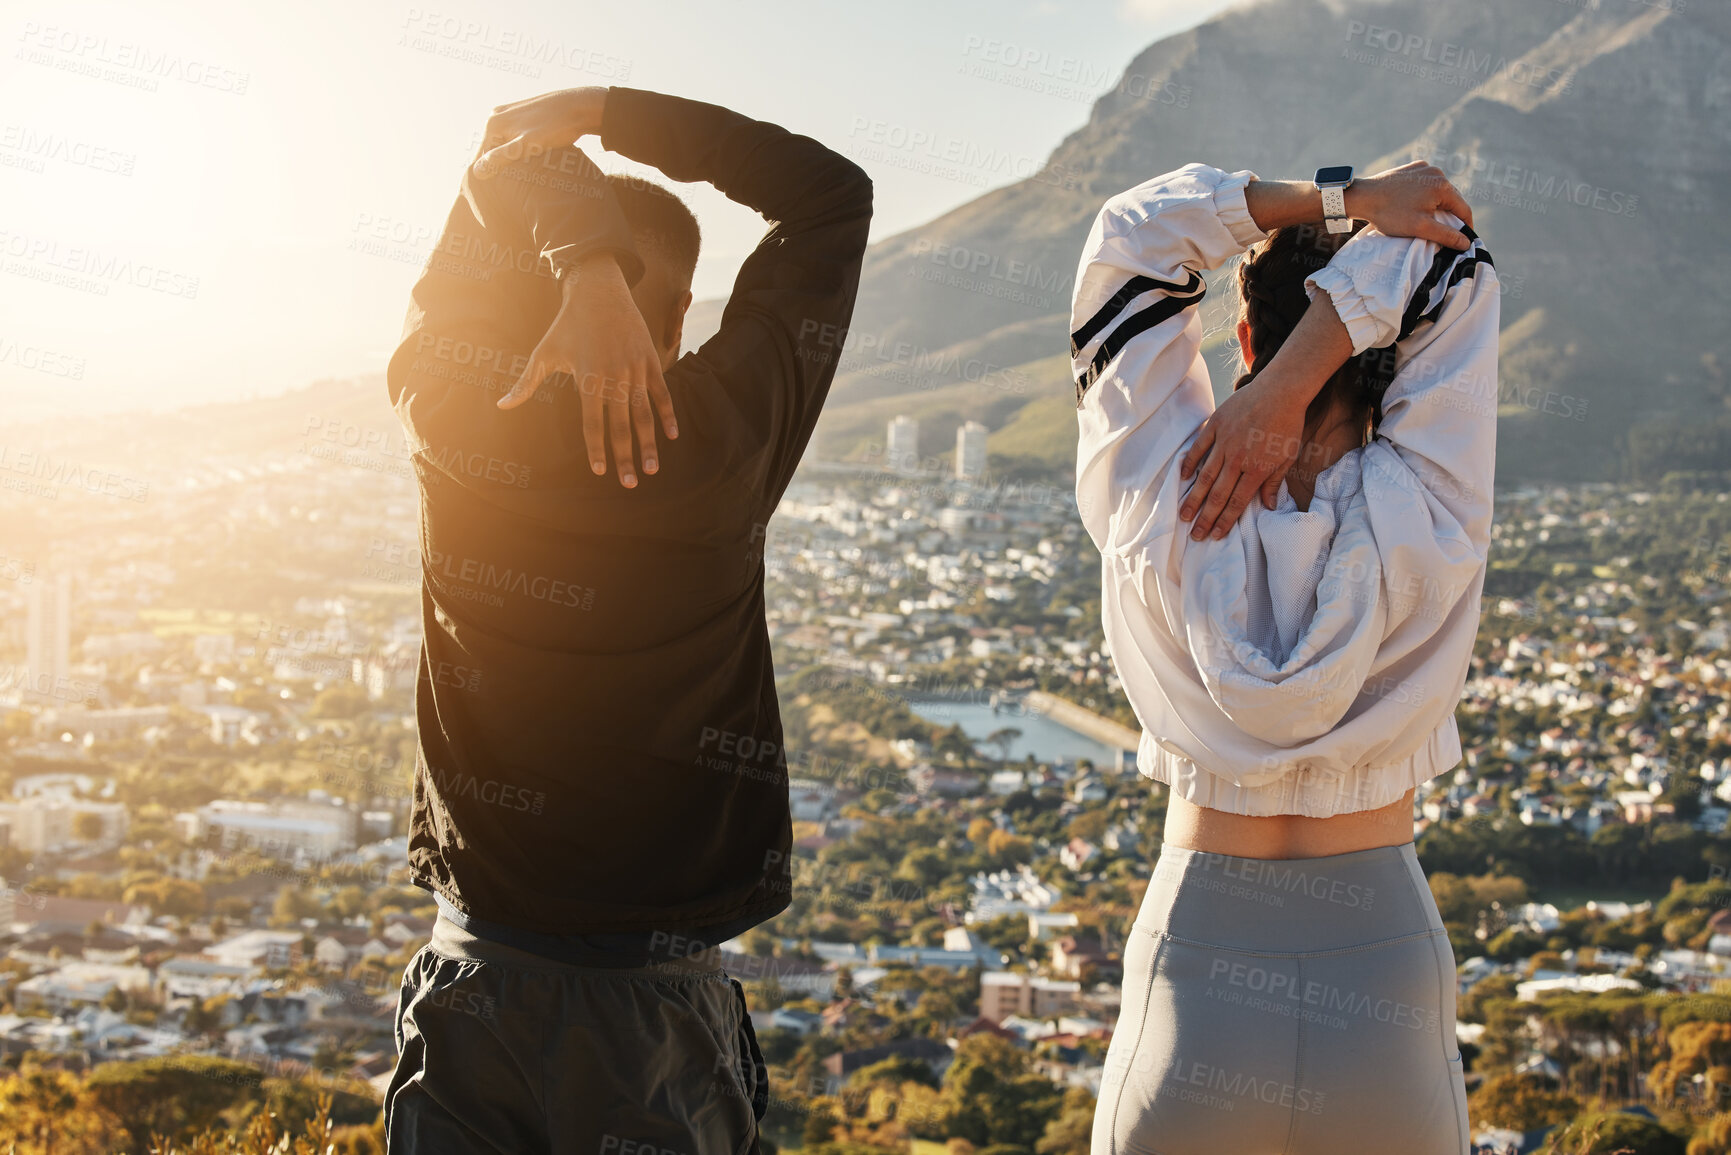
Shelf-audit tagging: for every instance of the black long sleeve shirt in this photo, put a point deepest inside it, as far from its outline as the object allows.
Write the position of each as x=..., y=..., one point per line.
x=600, y=741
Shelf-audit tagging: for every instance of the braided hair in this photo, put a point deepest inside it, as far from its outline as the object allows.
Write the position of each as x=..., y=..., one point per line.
x=1272, y=299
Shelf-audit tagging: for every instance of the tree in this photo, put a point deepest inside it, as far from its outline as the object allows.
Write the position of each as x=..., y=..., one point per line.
x=345, y=700
x=1006, y=849
x=925, y=865
x=1522, y=1103
x=895, y=1070
x=820, y=1123
x=1003, y=738
x=954, y=745
x=178, y=897
x=1613, y=1133
x=204, y=1016
x=292, y=905
x=169, y=1096
x=1714, y=1137
x=1090, y=825
x=348, y=902
x=1699, y=1048
x=993, y=1098
x=1072, y=1131
x=40, y=1104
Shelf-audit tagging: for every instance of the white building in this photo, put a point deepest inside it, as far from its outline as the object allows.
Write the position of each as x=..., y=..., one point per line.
x=810, y=800
x=904, y=444
x=232, y=724
x=1002, y=892
x=192, y=976
x=1043, y=925
x=103, y=725
x=286, y=828
x=55, y=821
x=79, y=982
x=971, y=452
x=48, y=634
x=270, y=949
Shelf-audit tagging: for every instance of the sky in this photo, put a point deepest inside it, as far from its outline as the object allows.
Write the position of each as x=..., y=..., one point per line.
x=211, y=201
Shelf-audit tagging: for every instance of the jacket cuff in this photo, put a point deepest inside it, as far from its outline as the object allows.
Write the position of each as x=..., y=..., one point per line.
x=1234, y=213
x=1351, y=305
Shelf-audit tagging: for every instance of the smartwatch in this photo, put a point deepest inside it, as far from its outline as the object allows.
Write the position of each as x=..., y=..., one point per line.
x=1332, y=183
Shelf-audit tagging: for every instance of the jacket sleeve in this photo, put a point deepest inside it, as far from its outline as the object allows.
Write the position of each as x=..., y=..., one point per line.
x=785, y=323
x=483, y=302
x=1429, y=472
x=1142, y=386
x=1435, y=314
x=555, y=205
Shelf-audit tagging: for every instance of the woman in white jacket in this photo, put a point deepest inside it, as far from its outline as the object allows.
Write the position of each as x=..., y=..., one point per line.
x=1294, y=661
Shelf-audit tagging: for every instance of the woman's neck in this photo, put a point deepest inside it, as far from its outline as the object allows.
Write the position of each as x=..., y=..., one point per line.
x=1338, y=435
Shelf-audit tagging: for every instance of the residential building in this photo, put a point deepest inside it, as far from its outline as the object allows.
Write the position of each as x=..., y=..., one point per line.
x=1006, y=993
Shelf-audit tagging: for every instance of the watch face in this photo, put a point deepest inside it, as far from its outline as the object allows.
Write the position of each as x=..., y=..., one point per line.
x=1338, y=174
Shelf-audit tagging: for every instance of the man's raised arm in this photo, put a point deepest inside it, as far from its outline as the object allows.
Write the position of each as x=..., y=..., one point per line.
x=782, y=331
x=529, y=182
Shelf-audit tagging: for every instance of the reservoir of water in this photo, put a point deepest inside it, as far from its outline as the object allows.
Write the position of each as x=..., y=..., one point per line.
x=1045, y=739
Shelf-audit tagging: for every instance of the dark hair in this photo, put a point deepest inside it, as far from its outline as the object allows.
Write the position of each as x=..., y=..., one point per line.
x=1272, y=298
x=659, y=218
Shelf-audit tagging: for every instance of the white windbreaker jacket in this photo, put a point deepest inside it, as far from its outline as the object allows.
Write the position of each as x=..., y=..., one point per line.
x=1309, y=662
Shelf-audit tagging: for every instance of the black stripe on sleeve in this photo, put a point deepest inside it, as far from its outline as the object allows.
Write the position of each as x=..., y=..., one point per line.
x=1131, y=289
x=1465, y=261
x=1459, y=273
x=1132, y=327
x=1445, y=262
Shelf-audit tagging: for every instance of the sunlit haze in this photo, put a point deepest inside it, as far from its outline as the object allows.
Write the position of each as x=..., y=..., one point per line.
x=208, y=201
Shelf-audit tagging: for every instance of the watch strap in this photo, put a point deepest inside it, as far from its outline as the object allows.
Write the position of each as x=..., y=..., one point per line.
x=1334, y=210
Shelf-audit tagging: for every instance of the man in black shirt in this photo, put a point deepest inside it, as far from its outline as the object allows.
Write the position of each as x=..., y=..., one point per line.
x=600, y=792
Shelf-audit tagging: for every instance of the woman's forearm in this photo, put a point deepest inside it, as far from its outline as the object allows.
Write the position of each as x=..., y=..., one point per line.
x=1277, y=204
x=1319, y=345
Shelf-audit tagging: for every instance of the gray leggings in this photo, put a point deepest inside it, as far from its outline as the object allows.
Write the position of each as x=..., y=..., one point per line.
x=1285, y=1007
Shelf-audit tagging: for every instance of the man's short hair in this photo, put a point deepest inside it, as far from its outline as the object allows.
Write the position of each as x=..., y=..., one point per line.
x=659, y=219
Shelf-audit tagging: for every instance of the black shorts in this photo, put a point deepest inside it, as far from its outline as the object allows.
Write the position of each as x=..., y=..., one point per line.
x=500, y=1050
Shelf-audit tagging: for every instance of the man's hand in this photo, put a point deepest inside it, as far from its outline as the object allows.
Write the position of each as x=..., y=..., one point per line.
x=551, y=120
x=1402, y=202
x=1255, y=436
x=600, y=339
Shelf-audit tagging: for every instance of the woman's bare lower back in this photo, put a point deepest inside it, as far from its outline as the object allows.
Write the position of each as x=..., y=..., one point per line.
x=1286, y=835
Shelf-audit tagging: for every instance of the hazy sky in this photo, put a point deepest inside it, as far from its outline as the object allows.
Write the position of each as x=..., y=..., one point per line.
x=207, y=200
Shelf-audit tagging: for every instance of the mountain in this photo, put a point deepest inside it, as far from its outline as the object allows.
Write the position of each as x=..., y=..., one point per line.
x=1592, y=138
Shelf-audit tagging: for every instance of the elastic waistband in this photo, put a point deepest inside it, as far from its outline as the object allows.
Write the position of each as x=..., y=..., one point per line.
x=1289, y=905
x=453, y=941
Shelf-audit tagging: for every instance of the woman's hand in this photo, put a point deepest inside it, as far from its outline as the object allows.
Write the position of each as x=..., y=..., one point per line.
x=1250, y=442
x=1403, y=202
x=1247, y=445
